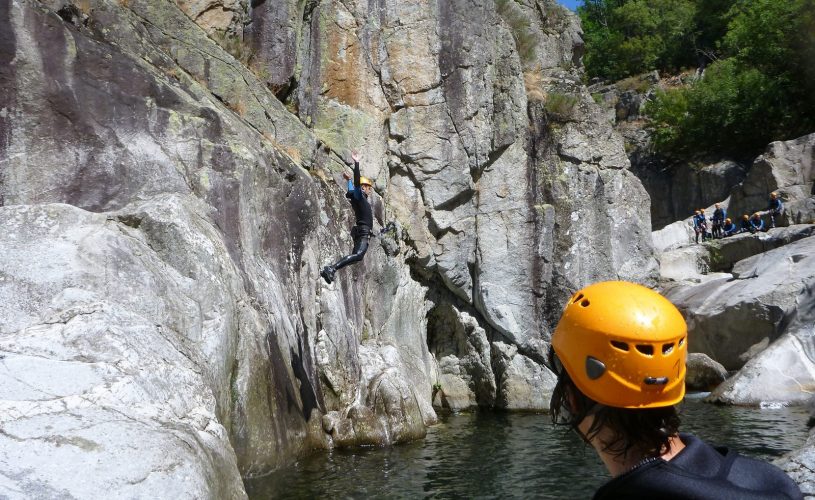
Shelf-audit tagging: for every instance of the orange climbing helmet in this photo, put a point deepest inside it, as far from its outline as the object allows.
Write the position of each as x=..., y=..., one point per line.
x=364, y=181
x=623, y=345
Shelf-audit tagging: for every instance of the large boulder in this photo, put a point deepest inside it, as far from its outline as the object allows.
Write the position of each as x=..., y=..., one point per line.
x=787, y=168
x=785, y=371
x=729, y=315
x=703, y=373
x=724, y=253
x=709, y=259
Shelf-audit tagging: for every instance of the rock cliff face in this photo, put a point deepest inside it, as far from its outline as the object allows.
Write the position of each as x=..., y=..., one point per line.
x=169, y=191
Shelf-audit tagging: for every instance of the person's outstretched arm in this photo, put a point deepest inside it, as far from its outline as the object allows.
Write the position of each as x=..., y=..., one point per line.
x=355, y=186
x=355, y=157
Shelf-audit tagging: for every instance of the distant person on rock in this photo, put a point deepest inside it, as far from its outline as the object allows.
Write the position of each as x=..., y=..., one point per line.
x=358, y=193
x=775, y=208
x=745, y=224
x=699, y=225
x=729, y=228
x=717, y=221
x=619, y=355
x=756, y=224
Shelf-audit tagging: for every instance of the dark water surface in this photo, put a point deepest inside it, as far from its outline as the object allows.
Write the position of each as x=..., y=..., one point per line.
x=509, y=455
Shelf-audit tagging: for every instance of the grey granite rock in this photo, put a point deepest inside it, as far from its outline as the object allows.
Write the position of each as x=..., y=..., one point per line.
x=729, y=315
x=703, y=373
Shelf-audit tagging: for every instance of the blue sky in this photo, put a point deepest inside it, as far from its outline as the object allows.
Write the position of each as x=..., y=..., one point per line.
x=571, y=4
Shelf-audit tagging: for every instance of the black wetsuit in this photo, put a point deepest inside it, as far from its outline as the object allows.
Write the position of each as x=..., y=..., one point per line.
x=361, y=232
x=701, y=472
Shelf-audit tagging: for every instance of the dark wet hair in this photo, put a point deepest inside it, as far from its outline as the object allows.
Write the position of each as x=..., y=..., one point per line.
x=647, y=431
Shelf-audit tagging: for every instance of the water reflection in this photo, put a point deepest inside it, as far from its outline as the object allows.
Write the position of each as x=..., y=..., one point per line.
x=501, y=455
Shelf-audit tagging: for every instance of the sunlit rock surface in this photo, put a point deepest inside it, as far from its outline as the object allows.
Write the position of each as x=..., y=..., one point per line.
x=728, y=316
x=168, y=199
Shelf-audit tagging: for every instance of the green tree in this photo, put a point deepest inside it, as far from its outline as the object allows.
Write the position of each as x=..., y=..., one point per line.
x=763, y=92
x=626, y=37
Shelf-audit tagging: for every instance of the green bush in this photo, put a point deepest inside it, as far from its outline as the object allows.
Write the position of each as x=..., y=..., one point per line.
x=560, y=105
x=763, y=92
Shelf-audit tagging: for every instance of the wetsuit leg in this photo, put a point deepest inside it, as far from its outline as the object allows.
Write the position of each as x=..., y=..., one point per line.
x=360, y=247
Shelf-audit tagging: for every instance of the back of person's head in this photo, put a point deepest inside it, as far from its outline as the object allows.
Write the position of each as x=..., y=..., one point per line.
x=745, y=217
x=619, y=353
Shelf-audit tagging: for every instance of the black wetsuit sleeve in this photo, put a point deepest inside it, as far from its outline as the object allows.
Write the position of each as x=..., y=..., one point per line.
x=357, y=181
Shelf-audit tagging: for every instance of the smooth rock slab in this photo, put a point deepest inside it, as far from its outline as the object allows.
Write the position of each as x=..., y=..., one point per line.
x=104, y=374
x=727, y=316
x=784, y=372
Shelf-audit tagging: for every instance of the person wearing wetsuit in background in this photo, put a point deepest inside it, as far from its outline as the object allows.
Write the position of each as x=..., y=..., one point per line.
x=775, y=208
x=719, y=215
x=358, y=193
x=729, y=228
x=619, y=355
x=756, y=224
x=699, y=225
x=745, y=224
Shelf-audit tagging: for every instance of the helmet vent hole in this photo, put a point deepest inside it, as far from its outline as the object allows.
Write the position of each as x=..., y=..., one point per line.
x=646, y=349
x=585, y=303
x=682, y=342
x=667, y=348
x=577, y=298
x=620, y=345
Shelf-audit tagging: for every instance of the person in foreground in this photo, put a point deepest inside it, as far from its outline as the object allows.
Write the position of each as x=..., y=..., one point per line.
x=359, y=191
x=619, y=354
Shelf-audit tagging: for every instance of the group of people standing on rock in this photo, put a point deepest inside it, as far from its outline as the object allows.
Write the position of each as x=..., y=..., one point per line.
x=722, y=226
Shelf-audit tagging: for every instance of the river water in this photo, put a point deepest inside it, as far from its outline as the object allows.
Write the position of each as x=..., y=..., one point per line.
x=509, y=455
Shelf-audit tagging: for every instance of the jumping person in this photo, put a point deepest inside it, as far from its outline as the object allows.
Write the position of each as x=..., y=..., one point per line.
x=775, y=208
x=619, y=354
x=358, y=193
x=719, y=215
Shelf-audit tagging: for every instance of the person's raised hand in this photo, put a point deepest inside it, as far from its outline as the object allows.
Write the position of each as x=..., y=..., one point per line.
x=355, y=156
x=346, y=176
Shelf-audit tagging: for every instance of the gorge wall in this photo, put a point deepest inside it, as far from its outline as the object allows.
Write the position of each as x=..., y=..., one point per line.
x=170, y=186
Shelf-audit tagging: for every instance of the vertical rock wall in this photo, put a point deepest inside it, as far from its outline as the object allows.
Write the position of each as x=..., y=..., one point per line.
x=507, y=206
x=191, y=202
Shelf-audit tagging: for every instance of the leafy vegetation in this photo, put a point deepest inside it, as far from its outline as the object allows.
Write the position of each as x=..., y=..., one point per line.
x=560, y=105
x=627, y=37
x=521, y=29
x=759, y=60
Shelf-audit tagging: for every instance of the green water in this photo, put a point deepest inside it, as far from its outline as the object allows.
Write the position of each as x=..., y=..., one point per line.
x=509, y=455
